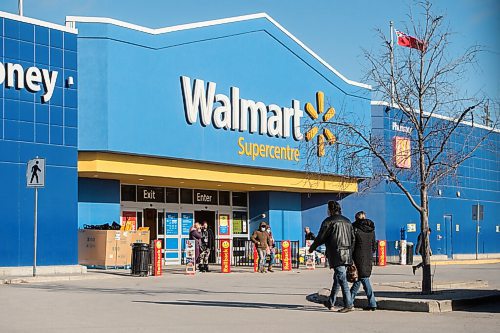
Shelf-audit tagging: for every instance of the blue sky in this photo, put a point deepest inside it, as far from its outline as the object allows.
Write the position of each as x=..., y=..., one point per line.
x=335, y=30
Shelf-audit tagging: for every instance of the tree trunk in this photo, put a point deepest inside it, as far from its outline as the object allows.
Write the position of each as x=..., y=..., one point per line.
x=426, y=253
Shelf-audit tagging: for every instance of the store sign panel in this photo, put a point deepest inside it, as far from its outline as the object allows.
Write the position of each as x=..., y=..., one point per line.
x=402, y=152
x=205, y=197
x=33, y=79
x=286, y=255
x=150, y=194
x=186, y=223
x=225, y=253
x=171, y=224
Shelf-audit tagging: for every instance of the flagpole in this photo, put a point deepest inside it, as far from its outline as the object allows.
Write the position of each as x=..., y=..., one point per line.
x=392, y=62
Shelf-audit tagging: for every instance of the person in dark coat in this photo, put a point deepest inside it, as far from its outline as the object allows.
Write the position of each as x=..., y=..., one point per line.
x=364, y=246
x=337, y=233
x=195, y=234
x=309, y=234
x=419, y=249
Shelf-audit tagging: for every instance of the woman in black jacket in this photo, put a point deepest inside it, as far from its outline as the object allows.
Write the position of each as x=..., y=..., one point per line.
x=364, y=246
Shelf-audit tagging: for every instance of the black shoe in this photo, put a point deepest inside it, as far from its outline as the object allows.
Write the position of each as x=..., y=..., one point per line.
x=328, y=304
x=206, y=269
x=344, y=310
x=369, y=308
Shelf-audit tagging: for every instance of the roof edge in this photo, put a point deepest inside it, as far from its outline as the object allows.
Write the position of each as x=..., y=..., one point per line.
x=38, y=22
x=439, y=116
x=71, y=21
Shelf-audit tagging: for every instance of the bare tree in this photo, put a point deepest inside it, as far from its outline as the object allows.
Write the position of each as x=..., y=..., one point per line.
x=424, y=84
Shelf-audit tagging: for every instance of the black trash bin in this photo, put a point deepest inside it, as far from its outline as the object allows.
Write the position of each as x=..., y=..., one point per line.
x=409, y=253
x=140, y=259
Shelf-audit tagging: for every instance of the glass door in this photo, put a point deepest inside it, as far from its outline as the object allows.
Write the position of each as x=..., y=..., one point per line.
x=172, y=244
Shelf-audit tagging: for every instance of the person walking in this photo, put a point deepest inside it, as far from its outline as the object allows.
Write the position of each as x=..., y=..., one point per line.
x=364, y=246
x=205, y=247
x=272, y=250
x=309, y=234
x=337, y=233
x=195, y=234
x=419, y=249
x=262, y=241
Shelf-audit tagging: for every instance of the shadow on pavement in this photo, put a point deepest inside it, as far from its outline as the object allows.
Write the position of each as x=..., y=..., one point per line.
x=140, y=291
x=228, y=304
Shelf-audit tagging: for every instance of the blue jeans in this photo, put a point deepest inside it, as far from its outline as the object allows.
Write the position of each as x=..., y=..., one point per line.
x=372, y=302
x=262, y=258
x=340, y=282
x=272, y=257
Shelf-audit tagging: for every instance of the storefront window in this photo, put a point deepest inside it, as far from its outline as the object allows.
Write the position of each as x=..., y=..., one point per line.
x=186, y=196
x=240, y=199
x=172, y=195
x=240, y=223
x=224, y=198
x=128, y=193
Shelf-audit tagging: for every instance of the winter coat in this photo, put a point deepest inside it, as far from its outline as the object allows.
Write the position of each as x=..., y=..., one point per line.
x=337, y=233
x=310, y=236
x=261, y=239
x=364, y=246
x=196, y=236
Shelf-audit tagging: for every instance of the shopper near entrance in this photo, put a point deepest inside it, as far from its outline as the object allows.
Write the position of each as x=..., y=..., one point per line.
x=205, y=247
x=262, y=241
x=309, y=234
x=337, y=233
x=364, y=246
x=419, y=249
x=272, y=250
x=195, y=234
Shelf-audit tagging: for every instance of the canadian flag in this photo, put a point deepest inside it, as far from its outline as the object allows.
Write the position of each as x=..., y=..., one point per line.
x=410, y=41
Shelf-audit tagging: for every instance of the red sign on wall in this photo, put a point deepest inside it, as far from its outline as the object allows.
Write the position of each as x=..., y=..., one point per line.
x=255, y=259
x=286, y=256
x=158, y=258
x=382, y=253
x=225, y=255
x=402, y=152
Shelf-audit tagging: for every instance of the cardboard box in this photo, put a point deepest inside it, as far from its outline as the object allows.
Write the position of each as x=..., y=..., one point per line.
x=108, y=247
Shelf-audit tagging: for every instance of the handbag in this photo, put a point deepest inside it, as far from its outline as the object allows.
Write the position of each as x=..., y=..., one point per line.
x=352, y=273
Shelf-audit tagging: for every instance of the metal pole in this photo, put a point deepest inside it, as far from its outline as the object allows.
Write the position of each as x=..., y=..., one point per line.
x=20, y=6
x=392, y=62
x=35, y=231
x=477, y=231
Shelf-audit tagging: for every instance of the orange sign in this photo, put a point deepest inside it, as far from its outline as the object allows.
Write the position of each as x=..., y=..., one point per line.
x=158, y=258
x=225, y=255
x=129, y=221
x=382, y=253
x=402, y=152
x=255, y=259
x=286, y=256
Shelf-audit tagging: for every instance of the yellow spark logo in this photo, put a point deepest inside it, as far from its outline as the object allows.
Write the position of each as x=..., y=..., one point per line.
x=327, y=136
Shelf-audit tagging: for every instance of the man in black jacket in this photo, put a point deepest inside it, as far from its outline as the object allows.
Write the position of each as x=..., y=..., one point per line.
x=337, y=233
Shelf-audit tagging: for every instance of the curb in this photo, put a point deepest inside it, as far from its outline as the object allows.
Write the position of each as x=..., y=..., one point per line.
x=43, y=279
x=414, y=305
x=466, y=262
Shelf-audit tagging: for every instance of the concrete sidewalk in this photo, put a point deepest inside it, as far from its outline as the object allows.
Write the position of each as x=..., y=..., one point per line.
x=396, y=288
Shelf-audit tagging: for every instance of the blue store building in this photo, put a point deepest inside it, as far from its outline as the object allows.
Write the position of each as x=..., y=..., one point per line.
x=209, y=121
x=38, y=107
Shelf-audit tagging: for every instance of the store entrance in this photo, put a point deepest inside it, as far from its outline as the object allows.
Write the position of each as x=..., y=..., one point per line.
x=208, y=216
x=150, y=222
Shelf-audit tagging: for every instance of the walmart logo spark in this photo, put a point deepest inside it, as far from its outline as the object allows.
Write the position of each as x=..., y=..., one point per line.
x=327, y=136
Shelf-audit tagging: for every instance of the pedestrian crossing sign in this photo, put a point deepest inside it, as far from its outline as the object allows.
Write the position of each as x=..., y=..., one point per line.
x=35, y=173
